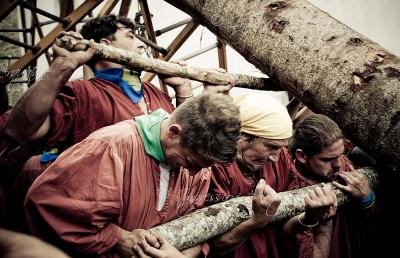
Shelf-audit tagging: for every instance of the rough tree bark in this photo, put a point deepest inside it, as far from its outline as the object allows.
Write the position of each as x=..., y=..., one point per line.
x=330, y=67
x=137, y=61
x=214, y=220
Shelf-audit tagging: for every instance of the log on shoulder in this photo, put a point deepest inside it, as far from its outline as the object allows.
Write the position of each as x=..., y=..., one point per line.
x=139, y=62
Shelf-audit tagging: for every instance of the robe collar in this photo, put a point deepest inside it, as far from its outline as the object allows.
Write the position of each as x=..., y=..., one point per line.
x=150, y=130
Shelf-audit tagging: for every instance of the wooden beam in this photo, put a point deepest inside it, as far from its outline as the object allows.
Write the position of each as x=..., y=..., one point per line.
x=6, y=7
x=148, y=24
x=47, y=41
x=175, y=45
x=107, y=7
x=222, y=54
x=144, y=9
x=41, y=35
x=66, y=7
x=125, y=6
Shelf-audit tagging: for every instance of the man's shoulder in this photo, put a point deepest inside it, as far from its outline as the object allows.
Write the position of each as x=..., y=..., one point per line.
x=122, y=131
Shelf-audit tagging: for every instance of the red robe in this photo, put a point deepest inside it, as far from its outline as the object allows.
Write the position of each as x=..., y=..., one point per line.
x=105, y=183
x=234, y=181
x=82, y=107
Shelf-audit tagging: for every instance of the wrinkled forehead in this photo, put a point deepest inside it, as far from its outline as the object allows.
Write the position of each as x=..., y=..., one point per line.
x=273, y=142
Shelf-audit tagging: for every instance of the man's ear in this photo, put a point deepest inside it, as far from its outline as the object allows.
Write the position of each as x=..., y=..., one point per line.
x=174, y=131
x=105, y=41
x=301, y=156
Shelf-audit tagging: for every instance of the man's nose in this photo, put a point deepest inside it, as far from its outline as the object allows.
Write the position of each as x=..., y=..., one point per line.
x=337, y=163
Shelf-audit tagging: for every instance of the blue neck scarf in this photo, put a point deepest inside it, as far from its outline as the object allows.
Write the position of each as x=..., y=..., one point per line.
x=128, y=80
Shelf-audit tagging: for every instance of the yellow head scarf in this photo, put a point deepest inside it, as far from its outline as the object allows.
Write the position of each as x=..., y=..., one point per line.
x=264, y=116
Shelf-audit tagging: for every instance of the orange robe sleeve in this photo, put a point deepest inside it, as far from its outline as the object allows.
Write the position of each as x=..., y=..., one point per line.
x=84, y=214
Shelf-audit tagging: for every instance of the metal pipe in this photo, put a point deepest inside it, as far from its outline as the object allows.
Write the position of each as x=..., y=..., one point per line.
x=199, y=52
x=18, y=43
x=171, y=27
x=24, y=81
x=64, y=22
x=153, y=45
x=51, y=22
x=15, y=30
x=47, y=23
x=23, y=21
x=9, y=57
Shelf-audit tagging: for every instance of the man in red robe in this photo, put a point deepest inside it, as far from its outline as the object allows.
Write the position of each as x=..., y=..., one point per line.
x=55, y=113
x=100, y=194
x=266, y=127
x=317, y=146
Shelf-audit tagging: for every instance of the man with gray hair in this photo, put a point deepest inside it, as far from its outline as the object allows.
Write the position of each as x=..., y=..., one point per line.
x=101, y=194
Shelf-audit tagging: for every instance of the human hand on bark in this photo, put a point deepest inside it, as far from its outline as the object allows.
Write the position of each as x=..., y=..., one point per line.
x=320, y=205
x=75, y=58
x=181, y=86
x=165, y=250
x=224, y=89
x=356, y=184
x=128, y=240
x=265, y=203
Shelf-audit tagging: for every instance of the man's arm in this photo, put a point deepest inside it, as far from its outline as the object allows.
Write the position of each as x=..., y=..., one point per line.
x=30, y=119
x=182, y=87
x=322, y=239
x=265, y=204
x=320, y=207
x=13, y=245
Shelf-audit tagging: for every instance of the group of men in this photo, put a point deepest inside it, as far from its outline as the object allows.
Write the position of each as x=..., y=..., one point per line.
x=122, y=160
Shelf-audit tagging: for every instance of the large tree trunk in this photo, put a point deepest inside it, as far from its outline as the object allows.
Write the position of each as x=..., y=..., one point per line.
x=214, y=220
x=330, y=67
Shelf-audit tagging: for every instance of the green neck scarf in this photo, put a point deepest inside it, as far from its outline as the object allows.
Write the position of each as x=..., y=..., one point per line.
x=150, y=130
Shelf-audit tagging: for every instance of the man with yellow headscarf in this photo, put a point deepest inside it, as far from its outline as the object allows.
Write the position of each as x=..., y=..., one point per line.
x=262, y=162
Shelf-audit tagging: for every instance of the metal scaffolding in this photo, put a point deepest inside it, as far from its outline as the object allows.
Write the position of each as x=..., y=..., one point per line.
x=67, y=19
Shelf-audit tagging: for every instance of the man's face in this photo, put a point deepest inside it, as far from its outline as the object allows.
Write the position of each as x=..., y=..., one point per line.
x=177, y=156
x=124, y=38
x=327, y=163
x=255, y=154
